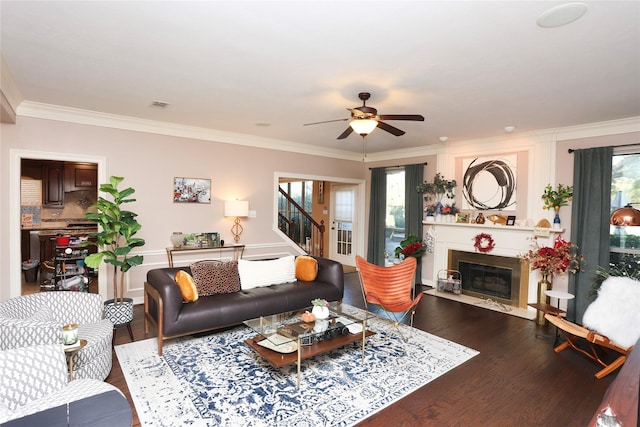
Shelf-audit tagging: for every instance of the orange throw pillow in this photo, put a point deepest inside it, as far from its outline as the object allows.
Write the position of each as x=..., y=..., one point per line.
x=187, y=286
x=306, y=268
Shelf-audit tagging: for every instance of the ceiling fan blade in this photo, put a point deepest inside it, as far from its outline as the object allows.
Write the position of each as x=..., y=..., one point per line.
x=346, y=133
x=412, y=117
x=392, y=130
x=326, y=121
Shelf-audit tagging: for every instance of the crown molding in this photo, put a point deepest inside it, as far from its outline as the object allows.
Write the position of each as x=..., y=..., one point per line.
x=612, y=127
x=10, y=96
x=94, y=118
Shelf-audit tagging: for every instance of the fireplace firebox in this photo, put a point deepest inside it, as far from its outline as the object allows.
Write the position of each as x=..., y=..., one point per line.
x=490, y=276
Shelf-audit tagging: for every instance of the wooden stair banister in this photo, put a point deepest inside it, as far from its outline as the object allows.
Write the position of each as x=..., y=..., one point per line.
x=292, y=228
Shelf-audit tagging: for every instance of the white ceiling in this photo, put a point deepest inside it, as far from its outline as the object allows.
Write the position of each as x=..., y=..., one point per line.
x=471, y=68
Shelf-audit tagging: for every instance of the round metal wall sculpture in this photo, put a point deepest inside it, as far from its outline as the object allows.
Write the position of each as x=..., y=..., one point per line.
x=494, y=195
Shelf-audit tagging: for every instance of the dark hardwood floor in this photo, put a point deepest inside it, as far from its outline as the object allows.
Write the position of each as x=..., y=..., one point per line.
x=516, y=380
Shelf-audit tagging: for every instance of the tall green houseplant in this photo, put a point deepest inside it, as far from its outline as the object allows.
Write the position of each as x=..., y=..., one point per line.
x=116, y=234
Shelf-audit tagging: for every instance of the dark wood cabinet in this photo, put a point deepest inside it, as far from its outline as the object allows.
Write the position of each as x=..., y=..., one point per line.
x=80, y=176
x=52, y=175
x=53, y=185
x=47, y=247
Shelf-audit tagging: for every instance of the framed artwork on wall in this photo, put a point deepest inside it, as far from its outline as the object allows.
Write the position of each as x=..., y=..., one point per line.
x=489, y=183
x=191, y=190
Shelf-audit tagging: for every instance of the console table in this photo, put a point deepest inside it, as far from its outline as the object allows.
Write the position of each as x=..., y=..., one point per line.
x=238, y=250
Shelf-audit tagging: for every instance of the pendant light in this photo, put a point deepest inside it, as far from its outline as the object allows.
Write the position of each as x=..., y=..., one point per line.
x=625, y=216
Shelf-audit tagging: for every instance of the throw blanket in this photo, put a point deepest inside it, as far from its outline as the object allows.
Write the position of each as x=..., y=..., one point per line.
x=616, y=311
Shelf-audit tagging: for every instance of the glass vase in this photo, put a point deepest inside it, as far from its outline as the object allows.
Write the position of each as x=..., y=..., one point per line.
x=544, y=284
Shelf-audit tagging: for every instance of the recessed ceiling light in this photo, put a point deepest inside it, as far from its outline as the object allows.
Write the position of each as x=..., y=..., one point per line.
x=509, y=129
x=443, y=138
x=160, y=104
x=562, y=15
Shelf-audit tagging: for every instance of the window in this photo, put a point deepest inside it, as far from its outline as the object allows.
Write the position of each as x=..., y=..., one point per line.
x=395, y=225
x=624, y=242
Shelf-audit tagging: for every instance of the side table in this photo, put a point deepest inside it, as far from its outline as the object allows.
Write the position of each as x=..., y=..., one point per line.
x=70, y=352
x=559, y=295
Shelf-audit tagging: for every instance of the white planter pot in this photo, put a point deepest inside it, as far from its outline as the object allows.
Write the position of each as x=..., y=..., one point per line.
x=119, y=313
x=320, y=312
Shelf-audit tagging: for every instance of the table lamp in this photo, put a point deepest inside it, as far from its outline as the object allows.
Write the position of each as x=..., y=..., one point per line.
x=236, y=209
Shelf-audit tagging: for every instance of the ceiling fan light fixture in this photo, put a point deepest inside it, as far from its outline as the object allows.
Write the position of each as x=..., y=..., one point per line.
x=363, y=127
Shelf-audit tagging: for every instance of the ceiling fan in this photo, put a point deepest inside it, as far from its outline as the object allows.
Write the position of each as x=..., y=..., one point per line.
x=365, y=119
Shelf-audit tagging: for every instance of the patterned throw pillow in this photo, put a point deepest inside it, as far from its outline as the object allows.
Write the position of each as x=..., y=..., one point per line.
x=187, y=286
x=306, y=268
x=214, y=277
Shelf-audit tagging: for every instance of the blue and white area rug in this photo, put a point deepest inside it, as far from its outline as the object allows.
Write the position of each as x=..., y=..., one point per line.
x=218, y=380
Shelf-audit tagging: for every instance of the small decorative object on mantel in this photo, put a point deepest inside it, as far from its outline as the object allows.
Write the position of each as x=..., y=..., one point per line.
x=554, y=199
x=320, y=308
x=484, y=243
x=480, y=218
x=498, y=219
x=559, y=259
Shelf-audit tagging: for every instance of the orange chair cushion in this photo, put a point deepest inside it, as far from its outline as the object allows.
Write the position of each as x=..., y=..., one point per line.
x=306, y=268
x=187, y=286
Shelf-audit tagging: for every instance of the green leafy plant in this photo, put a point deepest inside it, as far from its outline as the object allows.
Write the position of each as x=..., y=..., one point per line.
x=438, y=188
x=116, y=234
x=561, y=196
x=627, y=266
x=320, y=302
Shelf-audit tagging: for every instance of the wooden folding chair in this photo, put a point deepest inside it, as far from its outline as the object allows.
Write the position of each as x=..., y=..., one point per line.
x=390, y=288
x=572, y=332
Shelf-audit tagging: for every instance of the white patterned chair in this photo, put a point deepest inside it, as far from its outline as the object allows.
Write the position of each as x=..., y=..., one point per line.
x=35, y=379
x=37, y=319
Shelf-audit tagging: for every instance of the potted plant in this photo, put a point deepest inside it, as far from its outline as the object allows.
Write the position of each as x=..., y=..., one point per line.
x=411, y=246
x=320, y=308
x=115, y=239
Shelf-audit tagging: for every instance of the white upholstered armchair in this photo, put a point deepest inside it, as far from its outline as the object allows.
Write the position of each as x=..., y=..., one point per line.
x=35, y=379
x=37, y=319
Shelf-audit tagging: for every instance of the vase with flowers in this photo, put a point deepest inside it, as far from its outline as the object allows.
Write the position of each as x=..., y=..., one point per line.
x=554, y=199
x=558, y=259
x=412, y=247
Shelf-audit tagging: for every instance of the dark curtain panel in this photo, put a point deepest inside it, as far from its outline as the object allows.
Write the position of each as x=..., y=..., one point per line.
x=377, y=216
x=413, y=175
x=590, y=211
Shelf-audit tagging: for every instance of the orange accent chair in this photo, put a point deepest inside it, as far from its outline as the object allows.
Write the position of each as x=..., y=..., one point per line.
x=390, y=288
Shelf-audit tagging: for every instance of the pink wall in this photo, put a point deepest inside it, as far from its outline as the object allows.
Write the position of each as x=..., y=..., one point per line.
x=149, y=162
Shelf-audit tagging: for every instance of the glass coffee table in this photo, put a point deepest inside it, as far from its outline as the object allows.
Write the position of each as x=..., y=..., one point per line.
x=284, y=339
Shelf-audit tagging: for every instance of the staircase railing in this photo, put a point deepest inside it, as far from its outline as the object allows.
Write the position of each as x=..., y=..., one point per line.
x=299, y=225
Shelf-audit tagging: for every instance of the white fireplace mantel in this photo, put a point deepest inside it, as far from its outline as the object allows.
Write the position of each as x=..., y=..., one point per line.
x=510, y=241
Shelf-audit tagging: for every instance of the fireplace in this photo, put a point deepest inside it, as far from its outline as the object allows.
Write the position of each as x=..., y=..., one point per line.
x=490, y=276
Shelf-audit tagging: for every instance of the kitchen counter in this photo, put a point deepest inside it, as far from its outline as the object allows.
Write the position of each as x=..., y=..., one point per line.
x=63, y=226
x=65, y=231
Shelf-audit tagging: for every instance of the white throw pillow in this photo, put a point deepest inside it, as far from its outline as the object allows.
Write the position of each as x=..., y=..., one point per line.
x=254, y=274
x=615, y=313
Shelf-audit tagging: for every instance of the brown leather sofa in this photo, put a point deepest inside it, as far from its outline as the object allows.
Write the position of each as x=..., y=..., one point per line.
x=164, y=308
